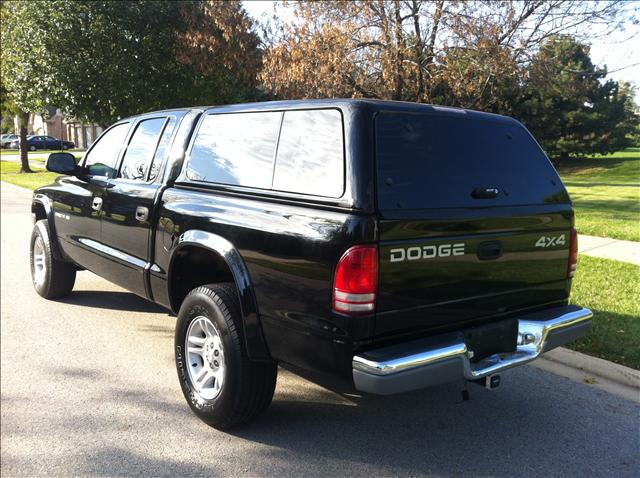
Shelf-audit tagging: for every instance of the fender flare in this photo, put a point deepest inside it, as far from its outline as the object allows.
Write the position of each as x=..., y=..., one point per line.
x=252, y=330
x=45, y=202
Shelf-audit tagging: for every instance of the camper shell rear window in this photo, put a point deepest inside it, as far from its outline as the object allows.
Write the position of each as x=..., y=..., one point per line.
x=437, y=160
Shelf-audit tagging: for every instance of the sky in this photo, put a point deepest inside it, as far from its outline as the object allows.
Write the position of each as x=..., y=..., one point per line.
x=619, y=51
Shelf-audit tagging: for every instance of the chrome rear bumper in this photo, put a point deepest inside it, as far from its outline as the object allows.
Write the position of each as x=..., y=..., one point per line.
x=446, y=358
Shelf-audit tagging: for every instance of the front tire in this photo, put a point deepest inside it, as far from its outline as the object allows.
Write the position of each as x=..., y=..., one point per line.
x=51, y=278
x=221, y=385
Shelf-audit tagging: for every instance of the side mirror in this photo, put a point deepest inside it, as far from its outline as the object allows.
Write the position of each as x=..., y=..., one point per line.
x=63, y=163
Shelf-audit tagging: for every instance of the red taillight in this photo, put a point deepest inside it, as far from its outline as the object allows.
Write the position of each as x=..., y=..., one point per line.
x=573, y=253
x=356, y=281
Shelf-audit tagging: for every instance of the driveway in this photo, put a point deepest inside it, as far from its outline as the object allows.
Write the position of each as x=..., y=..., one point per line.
x=88, y=387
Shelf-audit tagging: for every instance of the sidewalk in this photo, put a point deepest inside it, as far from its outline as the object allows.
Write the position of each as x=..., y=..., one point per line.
x=607, y=248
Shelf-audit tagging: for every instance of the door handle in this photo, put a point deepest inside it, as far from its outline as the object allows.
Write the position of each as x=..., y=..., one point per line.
x=142, y=213
x=97, y=204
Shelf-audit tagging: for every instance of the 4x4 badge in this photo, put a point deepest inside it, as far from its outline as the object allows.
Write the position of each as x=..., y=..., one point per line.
x=550, y=241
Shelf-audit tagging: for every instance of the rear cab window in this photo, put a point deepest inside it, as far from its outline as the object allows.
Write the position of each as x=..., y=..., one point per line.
x=296, y=151
x=437, y=160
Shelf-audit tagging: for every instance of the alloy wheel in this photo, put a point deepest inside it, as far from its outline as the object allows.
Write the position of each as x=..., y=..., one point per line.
x=205, y=358
x=39, y=266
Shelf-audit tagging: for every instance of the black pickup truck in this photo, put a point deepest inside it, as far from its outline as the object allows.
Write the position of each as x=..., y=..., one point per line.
x=391, y=246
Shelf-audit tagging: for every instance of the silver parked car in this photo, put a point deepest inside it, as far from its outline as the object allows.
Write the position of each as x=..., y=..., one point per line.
x=7, y=139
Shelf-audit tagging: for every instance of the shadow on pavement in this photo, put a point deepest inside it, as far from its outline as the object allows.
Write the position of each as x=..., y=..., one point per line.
x=536, y=424
x=113, y=300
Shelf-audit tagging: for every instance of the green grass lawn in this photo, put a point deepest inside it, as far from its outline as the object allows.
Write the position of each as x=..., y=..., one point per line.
x=606, y=194
x=40, y=177
x=611, y=289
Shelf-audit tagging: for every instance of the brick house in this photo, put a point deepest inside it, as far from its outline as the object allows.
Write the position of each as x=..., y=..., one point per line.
x=68, y=129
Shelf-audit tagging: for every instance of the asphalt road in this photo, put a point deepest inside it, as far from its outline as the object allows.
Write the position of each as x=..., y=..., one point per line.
x=88, y=387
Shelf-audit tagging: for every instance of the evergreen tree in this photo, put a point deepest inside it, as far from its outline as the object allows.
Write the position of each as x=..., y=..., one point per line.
x=570, y=107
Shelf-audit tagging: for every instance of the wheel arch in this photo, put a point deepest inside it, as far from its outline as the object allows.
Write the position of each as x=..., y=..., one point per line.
x=42, y=209
x=209, y=258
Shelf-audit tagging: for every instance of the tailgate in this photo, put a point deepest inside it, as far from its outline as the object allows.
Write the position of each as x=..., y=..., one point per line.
x=446, y=279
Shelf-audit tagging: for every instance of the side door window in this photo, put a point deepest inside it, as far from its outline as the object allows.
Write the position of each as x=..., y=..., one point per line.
x=141, y=149
x=102, y=157
x=163, y=148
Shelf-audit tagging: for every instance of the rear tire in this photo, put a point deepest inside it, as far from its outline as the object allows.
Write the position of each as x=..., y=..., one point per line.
x=32, y=148
x=51, y=278
x=221, y=385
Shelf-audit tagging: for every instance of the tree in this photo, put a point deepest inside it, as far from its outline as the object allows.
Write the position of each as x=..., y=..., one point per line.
x=8, y=111
x=17, y=35
x=102, y=60
x=354, y=49
x=223, y=51
x=568, y=105
x=467, y=54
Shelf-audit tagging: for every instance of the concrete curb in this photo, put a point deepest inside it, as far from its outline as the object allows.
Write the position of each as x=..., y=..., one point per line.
x=597, y=373
x=596, y=366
